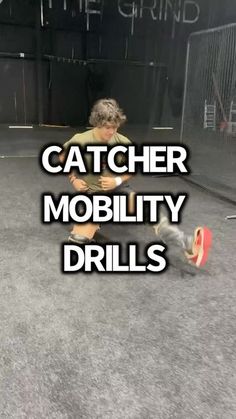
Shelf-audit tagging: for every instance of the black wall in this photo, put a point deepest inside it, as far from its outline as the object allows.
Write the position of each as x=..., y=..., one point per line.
x=74, y=56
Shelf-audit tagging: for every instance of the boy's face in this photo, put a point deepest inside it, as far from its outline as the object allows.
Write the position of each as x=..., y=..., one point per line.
x=107, y=131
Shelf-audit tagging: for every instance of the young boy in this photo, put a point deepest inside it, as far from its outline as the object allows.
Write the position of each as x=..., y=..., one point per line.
x=106, y=117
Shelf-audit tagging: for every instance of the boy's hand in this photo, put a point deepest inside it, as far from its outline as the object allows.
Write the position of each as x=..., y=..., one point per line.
x=80, y=185
x=107, y=183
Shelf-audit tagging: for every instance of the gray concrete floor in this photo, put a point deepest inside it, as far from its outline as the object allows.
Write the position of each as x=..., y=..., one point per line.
x=109, y=345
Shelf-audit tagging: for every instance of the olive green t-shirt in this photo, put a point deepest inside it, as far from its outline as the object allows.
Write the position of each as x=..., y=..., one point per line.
x=88, y=138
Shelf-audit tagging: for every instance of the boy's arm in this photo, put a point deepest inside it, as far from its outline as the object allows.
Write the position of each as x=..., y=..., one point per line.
x=72, y=175
x=78, y=184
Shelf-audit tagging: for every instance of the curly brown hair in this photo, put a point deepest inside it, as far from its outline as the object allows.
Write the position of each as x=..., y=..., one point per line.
x=106, y=111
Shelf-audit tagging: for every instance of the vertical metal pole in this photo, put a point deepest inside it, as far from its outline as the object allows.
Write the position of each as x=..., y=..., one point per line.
x=100, y=45
x=15, y=107
x=24, y=93
x=126, y=47
x=133, y=17
x=185, y=92
x=41, y=13
x=39, y=85
x=156, y=90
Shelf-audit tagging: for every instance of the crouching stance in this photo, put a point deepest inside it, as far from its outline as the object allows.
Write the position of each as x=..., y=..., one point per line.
x=188, y=253
x=106, y=117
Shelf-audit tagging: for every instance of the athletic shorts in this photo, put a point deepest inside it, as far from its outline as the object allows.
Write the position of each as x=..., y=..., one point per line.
x=122, y=189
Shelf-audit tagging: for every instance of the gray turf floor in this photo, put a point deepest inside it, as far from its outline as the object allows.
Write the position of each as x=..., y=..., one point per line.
x=112, y=346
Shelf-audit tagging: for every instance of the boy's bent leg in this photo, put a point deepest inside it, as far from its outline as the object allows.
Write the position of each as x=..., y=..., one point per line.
x=83, y=233
x=195, y=248
x=174, y=238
